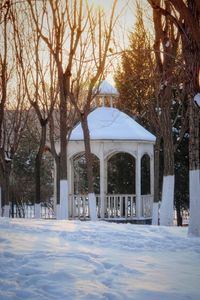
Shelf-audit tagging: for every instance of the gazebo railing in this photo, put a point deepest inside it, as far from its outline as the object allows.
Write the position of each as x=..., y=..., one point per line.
x=115, y=206
x=120, y=206
x=79, y=206
x=28, y=211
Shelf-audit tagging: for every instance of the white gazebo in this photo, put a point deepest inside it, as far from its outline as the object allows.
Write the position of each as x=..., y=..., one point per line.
x=113, y=132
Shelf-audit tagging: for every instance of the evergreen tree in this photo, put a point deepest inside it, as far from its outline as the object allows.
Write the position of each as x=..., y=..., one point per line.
x=136, y=82
x=133, y=75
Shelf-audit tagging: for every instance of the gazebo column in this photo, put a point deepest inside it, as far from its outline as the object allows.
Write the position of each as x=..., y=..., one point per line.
x=103, y=185
x=138, y=187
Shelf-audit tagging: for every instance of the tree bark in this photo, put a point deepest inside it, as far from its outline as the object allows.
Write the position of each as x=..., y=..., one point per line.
x=157, y=169
x=38, y=160
x=194, y=146
x=88, y=154
x=56, y=158
x=167, y=204
x=7, y=182
x=166, y=37
x=191, y=52
x=63, y=132
x=88, y=157
x=168, y=144
x=187, y=21
x=178, y=213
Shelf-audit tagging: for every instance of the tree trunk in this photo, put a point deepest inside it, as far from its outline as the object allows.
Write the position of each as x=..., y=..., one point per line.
x=157, y=169
x=63, y=142
x=0, y=200
x=62, y=212
x=88, y=157
x=194, y=172
x=167, y=204
x=38, y=160
x=56, y=166
x=178, y=212
x=57, y=180
x=37, y=178
x=58, y=187
x=165, y=63
x=191, y=52
x=7, y=171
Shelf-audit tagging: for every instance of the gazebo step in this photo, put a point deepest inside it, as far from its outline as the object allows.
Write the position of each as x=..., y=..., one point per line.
x=143, y=221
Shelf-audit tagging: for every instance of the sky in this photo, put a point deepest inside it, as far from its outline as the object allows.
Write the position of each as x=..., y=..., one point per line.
x=127, y=18
x=126, y=10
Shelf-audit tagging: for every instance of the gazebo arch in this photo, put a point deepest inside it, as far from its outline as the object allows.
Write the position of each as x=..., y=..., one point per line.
x=121, y=173
x=80, y=173
x=145, y=174
x=78, y=188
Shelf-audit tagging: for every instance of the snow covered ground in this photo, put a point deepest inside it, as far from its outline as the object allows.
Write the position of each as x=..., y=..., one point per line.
x=47, y=259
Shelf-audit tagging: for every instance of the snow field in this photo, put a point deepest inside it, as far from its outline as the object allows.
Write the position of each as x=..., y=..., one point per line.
x=47, y=259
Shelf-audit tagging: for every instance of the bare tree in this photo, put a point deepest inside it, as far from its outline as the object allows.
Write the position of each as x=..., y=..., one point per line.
x=186, y=17
x=3, y=90
x=41, y=86
x=159, y=73
x=64, y=24
x=4, y=80
x=13, y=109
x=71, y=30
x=95, y=43
x=167, y=37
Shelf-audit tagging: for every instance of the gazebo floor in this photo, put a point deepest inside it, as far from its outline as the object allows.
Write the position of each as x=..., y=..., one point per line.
x=143, y=221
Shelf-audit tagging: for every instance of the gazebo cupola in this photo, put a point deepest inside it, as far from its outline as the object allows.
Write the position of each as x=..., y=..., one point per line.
x=121, y=147
x=106, y=95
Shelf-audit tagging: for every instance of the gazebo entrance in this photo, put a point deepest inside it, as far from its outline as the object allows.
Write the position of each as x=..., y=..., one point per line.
x=121, y=186
x=80, y=174
x=121, y=174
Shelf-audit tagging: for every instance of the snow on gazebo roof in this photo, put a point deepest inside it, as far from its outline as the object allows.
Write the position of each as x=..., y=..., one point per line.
x=106, y=88
x=107, y=123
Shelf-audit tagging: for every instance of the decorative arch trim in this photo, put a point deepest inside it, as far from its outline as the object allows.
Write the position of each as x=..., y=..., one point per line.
x=116, y=151
x=75, y=154
x=146, y=153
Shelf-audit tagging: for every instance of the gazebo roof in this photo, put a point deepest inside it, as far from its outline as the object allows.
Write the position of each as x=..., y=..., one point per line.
x=107, y=123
